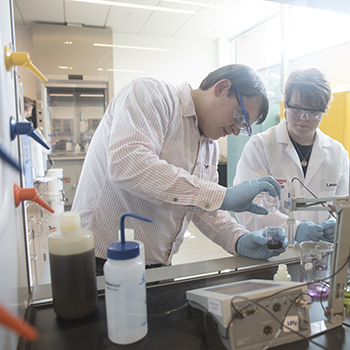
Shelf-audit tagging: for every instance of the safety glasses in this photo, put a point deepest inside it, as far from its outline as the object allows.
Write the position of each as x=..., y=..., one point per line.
x=241, y=118
x=306, y=113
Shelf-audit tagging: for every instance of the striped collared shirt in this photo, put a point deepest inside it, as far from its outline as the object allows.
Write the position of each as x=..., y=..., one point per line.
x=148, y=157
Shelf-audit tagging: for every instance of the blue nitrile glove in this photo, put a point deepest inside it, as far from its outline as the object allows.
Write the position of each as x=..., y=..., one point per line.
x=254, y=245
x=240, y=197
x=308, y=231
x=328, y=230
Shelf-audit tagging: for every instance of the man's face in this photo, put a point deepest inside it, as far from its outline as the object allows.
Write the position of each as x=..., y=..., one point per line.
x=220, y=122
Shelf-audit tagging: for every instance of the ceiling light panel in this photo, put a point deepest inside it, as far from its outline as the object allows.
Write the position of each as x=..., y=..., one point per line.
x=141, y=48
x=124, y=70
x=92, y=95
x=169, y=24
x=86, y=13
x=237, y=15
x=40, y=11
x=134, y=5
x=200, y=3
x=62, y=95
x=128, y=20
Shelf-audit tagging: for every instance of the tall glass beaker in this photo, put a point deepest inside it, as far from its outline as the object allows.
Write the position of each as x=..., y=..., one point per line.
x=315, y=266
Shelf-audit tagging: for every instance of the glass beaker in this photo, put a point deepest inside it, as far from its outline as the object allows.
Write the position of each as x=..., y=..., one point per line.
x=271, y=203
x=275, y=237
x=315, y=265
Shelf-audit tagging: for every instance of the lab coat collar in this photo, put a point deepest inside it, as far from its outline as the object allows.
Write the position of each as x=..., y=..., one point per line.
x=318, y=154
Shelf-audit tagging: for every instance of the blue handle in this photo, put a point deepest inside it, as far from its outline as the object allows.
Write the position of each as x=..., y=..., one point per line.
x=25, y=128
x=122, y=219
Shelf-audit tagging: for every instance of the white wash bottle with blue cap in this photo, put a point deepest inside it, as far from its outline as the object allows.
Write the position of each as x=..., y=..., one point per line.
x=125, y=289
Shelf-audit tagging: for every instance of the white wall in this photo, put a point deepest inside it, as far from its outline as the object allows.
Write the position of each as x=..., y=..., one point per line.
x=14, y=292
x=24, y=43
x=188, y=59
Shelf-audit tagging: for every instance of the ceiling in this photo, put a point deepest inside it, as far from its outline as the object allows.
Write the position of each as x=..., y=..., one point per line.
x=218, y=19
x=208, y=19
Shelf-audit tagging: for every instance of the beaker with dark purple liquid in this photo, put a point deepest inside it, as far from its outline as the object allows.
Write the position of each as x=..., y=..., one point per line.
x=275, y=237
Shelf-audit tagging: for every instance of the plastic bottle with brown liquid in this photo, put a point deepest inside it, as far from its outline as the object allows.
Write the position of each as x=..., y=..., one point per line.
x=72, y=266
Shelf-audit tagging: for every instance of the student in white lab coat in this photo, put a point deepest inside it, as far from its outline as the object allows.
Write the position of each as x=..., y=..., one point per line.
x=297, y=148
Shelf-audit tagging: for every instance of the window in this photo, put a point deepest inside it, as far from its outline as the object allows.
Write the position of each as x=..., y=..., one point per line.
x=313, y=30
x=260, y=47
x=310, y=30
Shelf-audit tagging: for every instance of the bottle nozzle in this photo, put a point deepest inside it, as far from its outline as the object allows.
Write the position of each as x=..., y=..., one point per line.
x=122, y=219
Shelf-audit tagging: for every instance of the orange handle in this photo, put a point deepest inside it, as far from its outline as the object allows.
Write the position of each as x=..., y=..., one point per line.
x=22, y=327
x=29, y=194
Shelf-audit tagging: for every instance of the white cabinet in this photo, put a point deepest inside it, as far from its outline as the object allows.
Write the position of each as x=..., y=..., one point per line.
x=71, y=172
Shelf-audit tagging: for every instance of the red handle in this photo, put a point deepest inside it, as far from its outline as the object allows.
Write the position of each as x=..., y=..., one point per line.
x=16, y=323
x=29, y=194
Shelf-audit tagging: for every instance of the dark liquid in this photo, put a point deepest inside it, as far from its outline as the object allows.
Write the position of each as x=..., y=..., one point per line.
x=73, y=283
x=274, y=244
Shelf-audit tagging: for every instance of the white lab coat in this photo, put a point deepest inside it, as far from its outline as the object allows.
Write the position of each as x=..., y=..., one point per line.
x=272, y=153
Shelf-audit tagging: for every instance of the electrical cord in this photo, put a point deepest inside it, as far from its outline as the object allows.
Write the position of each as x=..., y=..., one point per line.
x=169, y=312
x=296, y=178
x=215, y=326
x=282, y=324
x=321, y=296
x=237, y=314
x=276, y=319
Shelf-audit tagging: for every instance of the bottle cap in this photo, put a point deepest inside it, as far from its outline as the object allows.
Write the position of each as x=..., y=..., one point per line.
x=69, y=221
x=125, y=250
x=282, y=268
x=117, y=251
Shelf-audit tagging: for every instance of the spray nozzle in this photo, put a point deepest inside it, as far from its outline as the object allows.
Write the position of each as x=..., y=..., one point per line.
x=124, y=250
x=122, y=219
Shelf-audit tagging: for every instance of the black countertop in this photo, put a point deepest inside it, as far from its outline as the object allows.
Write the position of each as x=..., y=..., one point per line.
x=172, y=323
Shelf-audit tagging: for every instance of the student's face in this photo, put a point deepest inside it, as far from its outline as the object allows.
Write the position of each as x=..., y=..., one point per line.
x=303, y=129
x=28, y=112
x=220, y=122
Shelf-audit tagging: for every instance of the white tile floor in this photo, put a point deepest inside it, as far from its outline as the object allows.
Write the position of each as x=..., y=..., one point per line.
x=197, y=247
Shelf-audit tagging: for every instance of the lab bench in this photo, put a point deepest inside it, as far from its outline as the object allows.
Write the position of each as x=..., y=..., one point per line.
x=172, y=323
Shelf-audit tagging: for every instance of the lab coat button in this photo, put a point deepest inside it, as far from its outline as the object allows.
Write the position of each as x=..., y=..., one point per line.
x=175, y=199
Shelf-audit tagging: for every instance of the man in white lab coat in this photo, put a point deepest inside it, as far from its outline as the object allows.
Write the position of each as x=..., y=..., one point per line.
x=155, y=154
x=297, y=149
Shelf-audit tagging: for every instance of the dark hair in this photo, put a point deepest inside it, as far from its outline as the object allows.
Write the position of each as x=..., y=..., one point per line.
x=247, y=80
x=312, y=85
